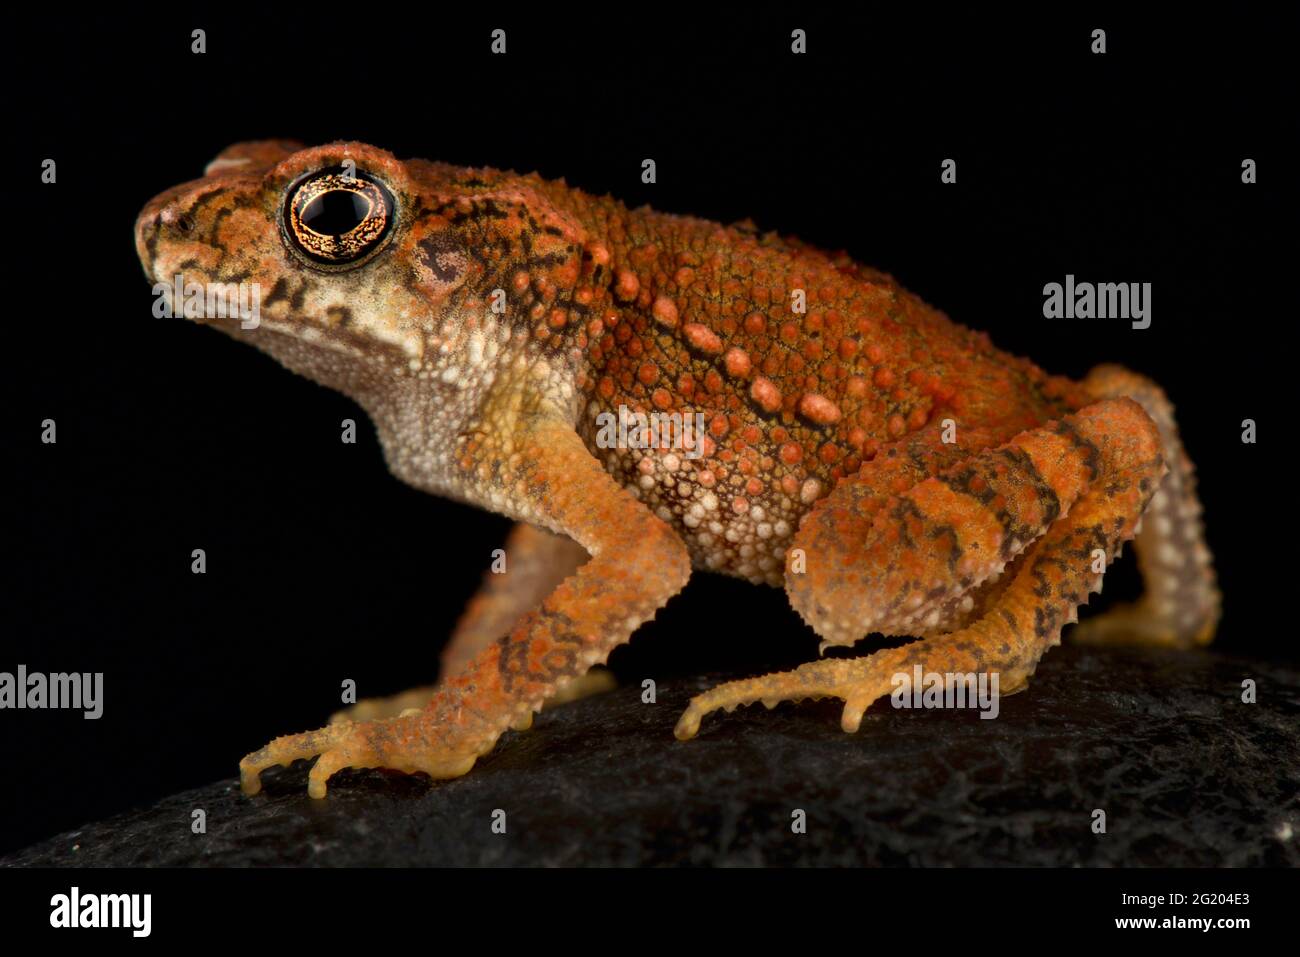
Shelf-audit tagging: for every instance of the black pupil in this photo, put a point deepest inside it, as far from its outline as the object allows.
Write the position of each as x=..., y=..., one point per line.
x=335, y=213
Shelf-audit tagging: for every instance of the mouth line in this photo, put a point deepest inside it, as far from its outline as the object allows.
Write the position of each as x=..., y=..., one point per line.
x=334, y=338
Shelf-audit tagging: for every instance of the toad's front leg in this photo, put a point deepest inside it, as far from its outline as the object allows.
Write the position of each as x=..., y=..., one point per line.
x=536, y=562
x=637, y=564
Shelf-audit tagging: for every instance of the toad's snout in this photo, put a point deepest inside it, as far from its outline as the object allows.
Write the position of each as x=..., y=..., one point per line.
x=177, y=227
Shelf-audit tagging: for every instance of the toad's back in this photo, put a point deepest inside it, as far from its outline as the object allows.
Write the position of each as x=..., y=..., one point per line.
x=801, y=365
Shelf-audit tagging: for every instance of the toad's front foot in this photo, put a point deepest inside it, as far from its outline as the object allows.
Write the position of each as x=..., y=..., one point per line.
x=441, y=742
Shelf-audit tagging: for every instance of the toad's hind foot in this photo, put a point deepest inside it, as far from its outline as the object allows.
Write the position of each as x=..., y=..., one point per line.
x=858, y=682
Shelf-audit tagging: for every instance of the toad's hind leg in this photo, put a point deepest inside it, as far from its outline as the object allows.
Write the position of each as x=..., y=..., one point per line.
x=903, y=549
x=1180, y=601
x=1115, y=449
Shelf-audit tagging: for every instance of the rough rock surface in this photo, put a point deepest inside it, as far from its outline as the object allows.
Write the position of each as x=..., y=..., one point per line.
x=1186, y=774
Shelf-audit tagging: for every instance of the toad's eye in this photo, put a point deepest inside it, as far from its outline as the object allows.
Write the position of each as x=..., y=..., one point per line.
x=338, y=219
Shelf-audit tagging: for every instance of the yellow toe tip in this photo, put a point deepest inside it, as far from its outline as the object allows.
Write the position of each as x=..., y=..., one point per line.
x=687, y=727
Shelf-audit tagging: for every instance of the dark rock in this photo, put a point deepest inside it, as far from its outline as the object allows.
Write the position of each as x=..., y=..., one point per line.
x=1161, y=741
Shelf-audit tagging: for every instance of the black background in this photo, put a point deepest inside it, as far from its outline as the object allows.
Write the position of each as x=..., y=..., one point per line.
x=321, y=566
